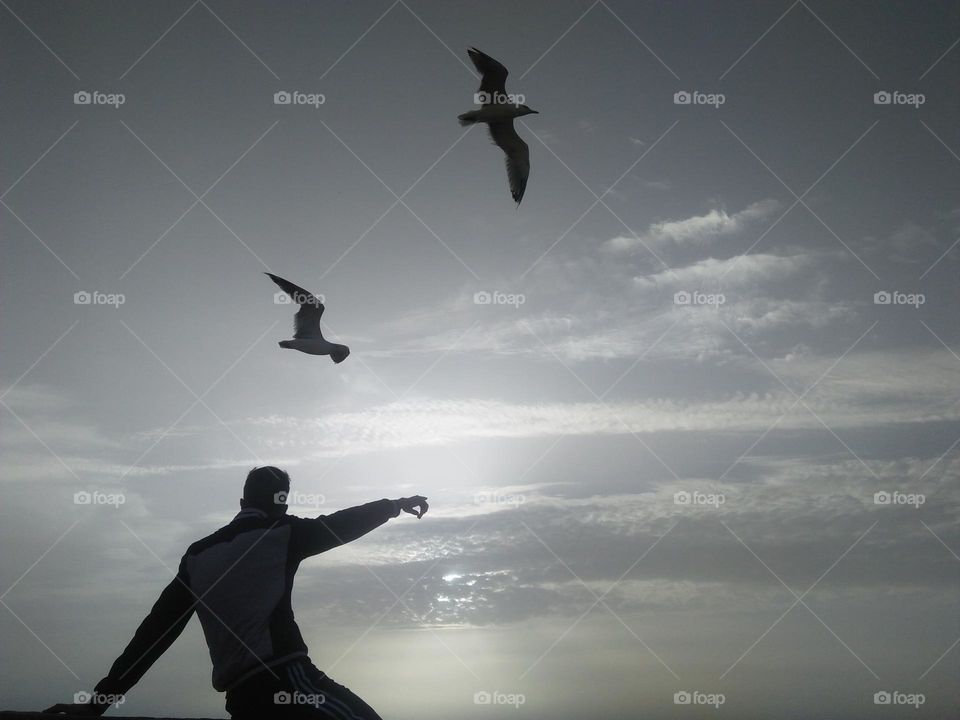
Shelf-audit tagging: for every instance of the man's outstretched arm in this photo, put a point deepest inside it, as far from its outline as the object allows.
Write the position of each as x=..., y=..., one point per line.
x=156, y=633
x=317, y=535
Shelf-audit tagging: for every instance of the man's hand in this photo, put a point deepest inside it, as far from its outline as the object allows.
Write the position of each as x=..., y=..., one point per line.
x=81, y=709
x=416, y=505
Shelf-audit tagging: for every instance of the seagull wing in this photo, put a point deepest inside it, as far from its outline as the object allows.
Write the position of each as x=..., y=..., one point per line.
x=306, y=323
x=505, y=137
x=493, y=79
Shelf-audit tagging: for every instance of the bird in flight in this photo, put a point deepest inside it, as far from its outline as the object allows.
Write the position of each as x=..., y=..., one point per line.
x=307, y=337
x=498, y=111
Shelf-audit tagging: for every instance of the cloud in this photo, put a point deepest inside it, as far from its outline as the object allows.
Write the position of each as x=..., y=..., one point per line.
x=867, y=389
x=851, y=397
x=601, y=308
x=657, y=184
x=45, y=439
x=745, y=270
x=698, y=229
x=913, y=244
x=797, y=514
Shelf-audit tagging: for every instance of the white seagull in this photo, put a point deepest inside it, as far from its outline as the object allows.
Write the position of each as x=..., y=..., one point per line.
x=498, y=111
x=307, y=337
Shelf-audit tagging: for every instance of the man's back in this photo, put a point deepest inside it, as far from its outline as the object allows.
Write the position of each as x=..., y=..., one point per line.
x=243, y=574
x=239, y=580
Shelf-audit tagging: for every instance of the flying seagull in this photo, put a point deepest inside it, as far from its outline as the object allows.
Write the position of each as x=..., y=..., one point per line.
x=498, y=111
x=306, y=324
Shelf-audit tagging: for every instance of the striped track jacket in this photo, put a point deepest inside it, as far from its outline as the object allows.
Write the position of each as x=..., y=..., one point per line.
x=239, y=581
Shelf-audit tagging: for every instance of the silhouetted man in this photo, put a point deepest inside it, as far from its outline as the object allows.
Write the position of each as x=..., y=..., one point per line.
x=239, y=580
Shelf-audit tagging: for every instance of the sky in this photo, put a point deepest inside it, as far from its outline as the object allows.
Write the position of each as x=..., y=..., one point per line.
x=688, y=417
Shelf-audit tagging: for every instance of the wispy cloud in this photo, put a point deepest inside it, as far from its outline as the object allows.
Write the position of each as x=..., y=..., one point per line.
x=698, y=229
x=850, y=398
x=733, y=272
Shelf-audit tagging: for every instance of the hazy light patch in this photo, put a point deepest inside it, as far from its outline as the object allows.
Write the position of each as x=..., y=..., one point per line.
x=427, y=422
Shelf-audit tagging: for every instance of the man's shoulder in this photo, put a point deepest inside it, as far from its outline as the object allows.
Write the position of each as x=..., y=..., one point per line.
x=237, y=527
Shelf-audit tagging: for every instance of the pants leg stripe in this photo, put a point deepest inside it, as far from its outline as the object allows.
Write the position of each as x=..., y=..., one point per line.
x=299, y=682
x=341, y=707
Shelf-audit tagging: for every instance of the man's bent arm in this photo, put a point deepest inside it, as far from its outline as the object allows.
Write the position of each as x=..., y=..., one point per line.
x=156, y=633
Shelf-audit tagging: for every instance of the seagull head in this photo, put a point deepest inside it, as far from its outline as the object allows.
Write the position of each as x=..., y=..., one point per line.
x=524, y=110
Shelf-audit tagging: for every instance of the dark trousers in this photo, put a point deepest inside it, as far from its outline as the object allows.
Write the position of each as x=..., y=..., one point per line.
x=295, y=690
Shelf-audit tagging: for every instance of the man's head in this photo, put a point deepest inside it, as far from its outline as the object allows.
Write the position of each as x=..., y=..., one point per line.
x=266, y=489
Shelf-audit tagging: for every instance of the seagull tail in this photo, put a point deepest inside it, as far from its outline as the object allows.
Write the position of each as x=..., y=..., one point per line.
x=468, y=118
x=339, y=353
